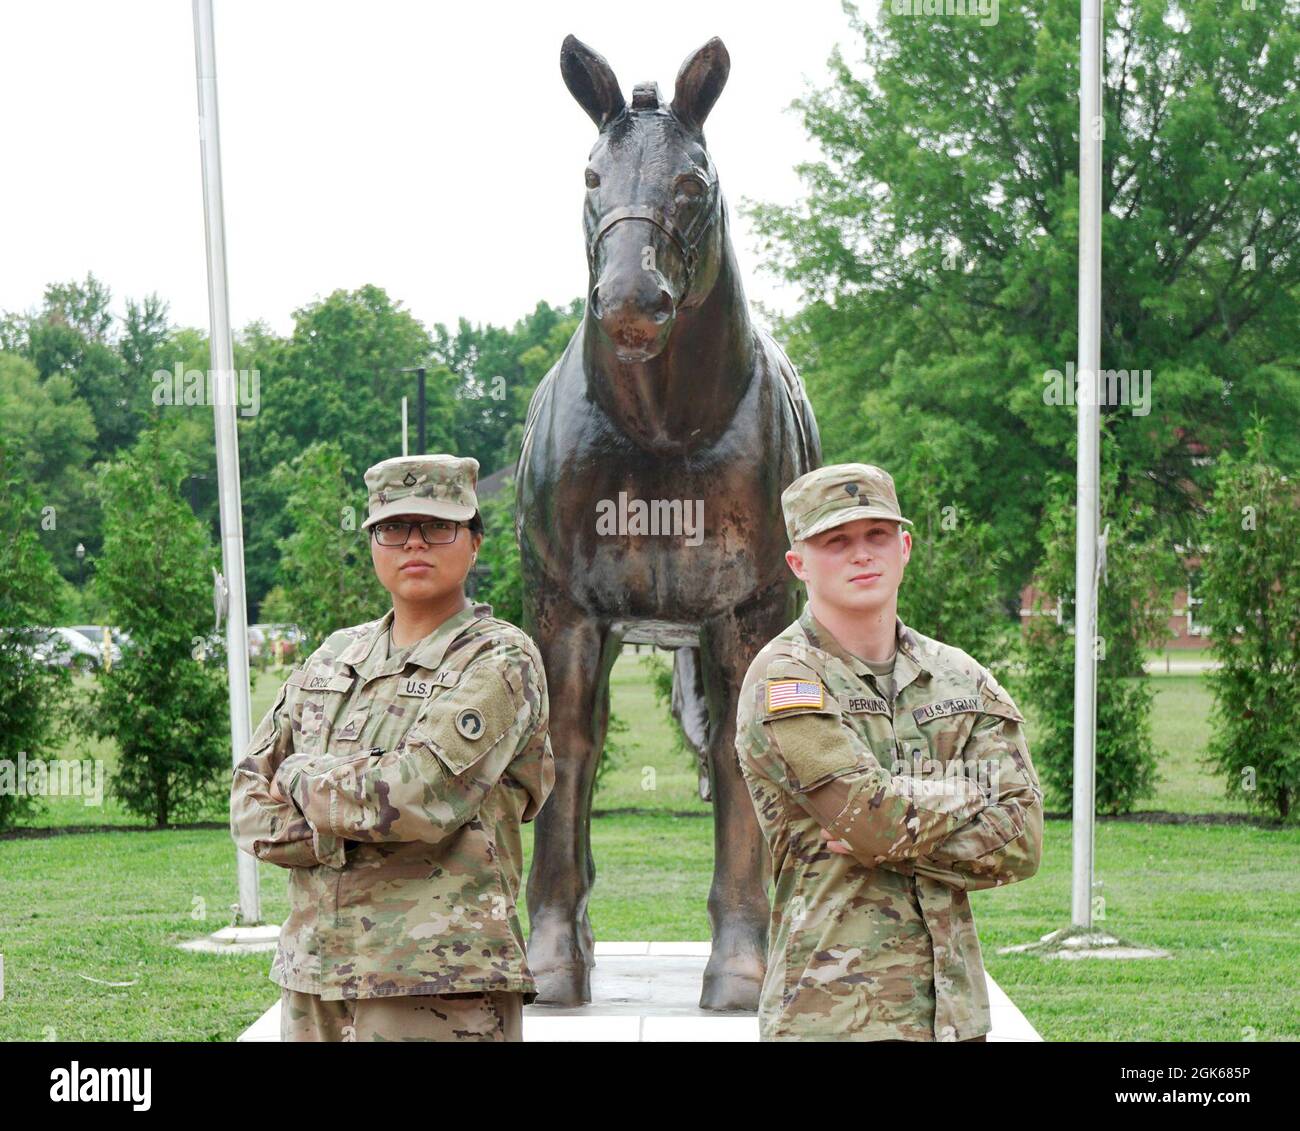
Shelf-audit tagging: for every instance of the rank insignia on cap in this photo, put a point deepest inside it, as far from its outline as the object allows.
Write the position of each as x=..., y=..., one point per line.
x=470, y=723
x=782, y=694
x=409, y=480
x=851, y=488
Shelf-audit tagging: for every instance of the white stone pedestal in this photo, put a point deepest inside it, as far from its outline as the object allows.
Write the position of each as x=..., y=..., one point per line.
x=649, y=991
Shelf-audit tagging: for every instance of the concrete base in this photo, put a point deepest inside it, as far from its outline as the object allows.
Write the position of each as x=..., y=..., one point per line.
x=236, y=940
x=1074, y=943
x=1109, y=952
x=649, y=991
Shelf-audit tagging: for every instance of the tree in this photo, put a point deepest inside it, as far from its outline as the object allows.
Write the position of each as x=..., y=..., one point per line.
x=1251, y=590
x=495, y=371
x=937, y=246
x=329, y=579
x=1133, y=603
x=145, y=333
x=339, y=379
x=33, y=696
x=951, y=584
x=165, y=704
x=72, y=393
x=73, y=335
x=50, y=433
x=500, y=581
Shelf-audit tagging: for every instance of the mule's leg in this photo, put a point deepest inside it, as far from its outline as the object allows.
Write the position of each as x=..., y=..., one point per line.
x=577, y=653
x=738, y=901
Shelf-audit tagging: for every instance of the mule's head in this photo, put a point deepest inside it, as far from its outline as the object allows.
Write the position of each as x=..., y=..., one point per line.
x=654, y=212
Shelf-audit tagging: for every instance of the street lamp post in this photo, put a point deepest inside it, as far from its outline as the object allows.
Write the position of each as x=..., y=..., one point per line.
x=193, y=492
x=419, y=371
x=81, y=566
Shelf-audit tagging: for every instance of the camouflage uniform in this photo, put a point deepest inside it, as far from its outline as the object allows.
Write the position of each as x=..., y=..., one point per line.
x=491, y=1016
x=410, y=775
x=933, y=791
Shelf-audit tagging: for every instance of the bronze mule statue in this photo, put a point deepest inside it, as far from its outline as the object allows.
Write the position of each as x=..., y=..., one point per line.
x=668, y=396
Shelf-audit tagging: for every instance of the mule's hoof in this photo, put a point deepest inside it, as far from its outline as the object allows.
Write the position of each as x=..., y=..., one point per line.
x=733, y=977
x=732, y=981
x=561, y=959
x=728, y=991
x=569, y=985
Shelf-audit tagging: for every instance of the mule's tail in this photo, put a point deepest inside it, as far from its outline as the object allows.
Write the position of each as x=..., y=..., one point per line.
x=690, y=710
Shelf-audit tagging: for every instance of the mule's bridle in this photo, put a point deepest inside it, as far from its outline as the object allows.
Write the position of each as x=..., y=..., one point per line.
x=687, y=240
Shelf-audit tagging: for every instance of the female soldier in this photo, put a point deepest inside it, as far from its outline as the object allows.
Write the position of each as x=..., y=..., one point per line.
x=391, y=778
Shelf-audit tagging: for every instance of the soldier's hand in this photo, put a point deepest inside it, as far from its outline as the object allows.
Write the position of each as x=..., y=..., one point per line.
x=835, y=845
x=275, y=791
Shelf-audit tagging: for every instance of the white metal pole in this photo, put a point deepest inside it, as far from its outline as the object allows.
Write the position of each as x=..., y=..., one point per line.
x=403, y=426
x=227, y=439
x=1087, y=496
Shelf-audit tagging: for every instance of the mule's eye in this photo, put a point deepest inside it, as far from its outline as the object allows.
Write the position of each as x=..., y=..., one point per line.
x=593, y=181
x=691, y=187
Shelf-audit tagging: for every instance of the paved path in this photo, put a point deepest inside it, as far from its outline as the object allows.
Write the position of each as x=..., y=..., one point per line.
x=1181, y=667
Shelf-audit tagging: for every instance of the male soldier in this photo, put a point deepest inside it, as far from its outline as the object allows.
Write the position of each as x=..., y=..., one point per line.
x=865, y=745
x=391, y=777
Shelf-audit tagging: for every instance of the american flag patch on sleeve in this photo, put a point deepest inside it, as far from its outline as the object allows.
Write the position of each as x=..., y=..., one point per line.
x=782, y=694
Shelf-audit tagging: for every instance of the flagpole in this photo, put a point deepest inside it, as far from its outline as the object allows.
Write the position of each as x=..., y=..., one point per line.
x=227, y=439
x=1088, y=455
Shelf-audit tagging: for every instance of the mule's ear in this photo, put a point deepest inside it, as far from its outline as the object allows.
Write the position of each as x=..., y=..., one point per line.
x=699, y=83
x=591, y=81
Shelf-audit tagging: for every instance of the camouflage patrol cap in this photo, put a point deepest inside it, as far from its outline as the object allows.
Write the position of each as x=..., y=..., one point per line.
x=440, y=486
x=836, y=494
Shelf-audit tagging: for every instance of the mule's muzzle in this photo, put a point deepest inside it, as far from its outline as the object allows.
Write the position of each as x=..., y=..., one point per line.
x=635, y=314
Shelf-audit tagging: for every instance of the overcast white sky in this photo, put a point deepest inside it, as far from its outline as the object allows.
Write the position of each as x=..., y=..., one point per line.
x=429, y=148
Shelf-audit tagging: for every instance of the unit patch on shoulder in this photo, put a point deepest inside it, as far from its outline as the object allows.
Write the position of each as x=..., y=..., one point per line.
x=470, y=723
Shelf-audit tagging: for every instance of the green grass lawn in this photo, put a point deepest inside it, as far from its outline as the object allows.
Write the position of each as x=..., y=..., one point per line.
x=1181, y=730
x=1223, y=899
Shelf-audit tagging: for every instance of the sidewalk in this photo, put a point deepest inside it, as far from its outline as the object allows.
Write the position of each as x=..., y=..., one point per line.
x=1166, y=665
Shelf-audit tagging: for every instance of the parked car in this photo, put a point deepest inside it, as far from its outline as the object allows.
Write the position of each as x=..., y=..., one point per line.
x=67, y=648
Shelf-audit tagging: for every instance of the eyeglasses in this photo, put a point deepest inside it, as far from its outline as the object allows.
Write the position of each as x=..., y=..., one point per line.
x=436, y=531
